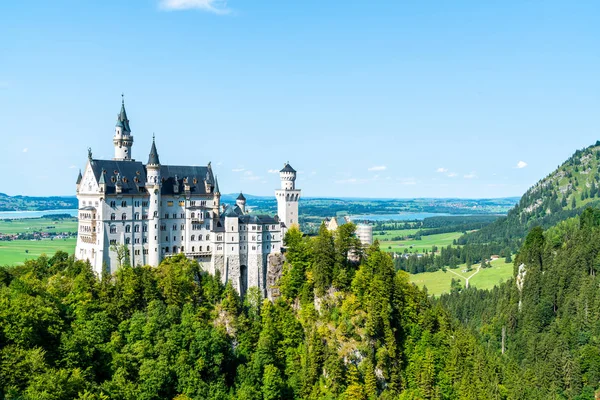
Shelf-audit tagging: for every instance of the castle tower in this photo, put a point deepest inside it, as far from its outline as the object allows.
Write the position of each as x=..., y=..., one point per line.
x=287, y=196
x=153, y=185
x=241, y=202
x=216, y=200
x=122, y=140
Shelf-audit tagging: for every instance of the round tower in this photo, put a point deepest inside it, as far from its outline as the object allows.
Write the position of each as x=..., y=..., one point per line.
x=153, y=185
x=287, y=197
x=123, y=140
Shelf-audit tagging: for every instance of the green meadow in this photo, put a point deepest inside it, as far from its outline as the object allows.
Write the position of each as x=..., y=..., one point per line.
x=438, y=282
x=16, y=252
x=26, y=225
x=416, y=246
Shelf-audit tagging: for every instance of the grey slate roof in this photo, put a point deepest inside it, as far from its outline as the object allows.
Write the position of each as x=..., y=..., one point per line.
x=217, y=185
x=79, y=177
x=122, y=120
x=153, y=157
x=287, y=168
x=258, y=219
x=241, y=197
x=126, y=170
x=168, y=174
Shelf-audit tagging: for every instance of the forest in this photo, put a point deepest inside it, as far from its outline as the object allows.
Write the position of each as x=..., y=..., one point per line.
x=342, y=328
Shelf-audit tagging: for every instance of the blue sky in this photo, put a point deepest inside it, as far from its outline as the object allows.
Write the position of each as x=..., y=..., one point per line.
x=366, y=99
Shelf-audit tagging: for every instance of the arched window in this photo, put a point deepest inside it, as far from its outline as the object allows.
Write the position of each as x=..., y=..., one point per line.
x=127, y=240
x=193, y=238
x=112, y=217
x=155, y=214
x=123, y=216
x=193, y=215
x=193, y=249
x=174, y=249
x=136, y=228
x=207, y=248
x=182, y=249
x=136, y=216
x=199, y=237
x=207, y=237
x=113, y=229
x=127, y=228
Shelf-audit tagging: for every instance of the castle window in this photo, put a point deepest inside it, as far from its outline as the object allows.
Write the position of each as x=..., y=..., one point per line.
x=174, y=216
x=199, y=237
x=124, y=203
x=232, y=228
x=112, y=217
x=137, y=203
x=200, y=248
x=113, y=229
x=207, y=248
x=145, y=240
x=207, y=237
x=166, y=249
x=145, y=251
x=182, y=215
x=163, y=227
x=193, y=238
x=127, y=228
x=174, y=249
x=182, y=227
x=113, y=242
x=144, y=204
x=193, y=215
x=113, y=204
x=193, y=249
x=182, y=203
x=169, y=203
x=136, y=216
x=155, y=214
x=127, y=240
x=182, y=249
x=174, y=238
x=166, y=215
x=123, y=216
x=145, y=228
x=174, y=227
x=166, y=238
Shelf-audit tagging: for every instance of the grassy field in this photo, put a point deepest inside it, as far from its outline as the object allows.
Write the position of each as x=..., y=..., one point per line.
x=27, y=225
x=418, y=246
x=438, y=282
x=14, y=252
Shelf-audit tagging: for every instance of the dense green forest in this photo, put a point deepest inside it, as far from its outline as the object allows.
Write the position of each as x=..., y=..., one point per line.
x=340, y=330
x=550, y=312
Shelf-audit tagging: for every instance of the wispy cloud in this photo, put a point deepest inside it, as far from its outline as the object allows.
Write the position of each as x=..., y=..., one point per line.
x=349, y=180
x=73, y=167
x=521, y=164
x=273, y=171
x=442, y=170
x=472, y=175
x=378, y=168
x=25, y=150
x=238, y=170
x=214, y=6
x=407, y=181
x=249, y=176
x=452, y=175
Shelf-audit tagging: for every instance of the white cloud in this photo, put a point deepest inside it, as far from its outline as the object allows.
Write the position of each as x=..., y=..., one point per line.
x=521, y=164
x=442, y=170
x=73, y=167
x=346, y=181
x=472, y=175
x=220, y=163
x=378, y=168
x=407, y=181
x=273, y=171
x=214, y=6
x=25, y=150
x=238, y=170
x=452, y=175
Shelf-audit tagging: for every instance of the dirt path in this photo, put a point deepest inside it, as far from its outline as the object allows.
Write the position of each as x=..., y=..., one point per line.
x=465, y=278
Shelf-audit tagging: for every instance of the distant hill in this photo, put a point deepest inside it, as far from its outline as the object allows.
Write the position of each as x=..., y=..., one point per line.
x=564, y=193
x=26, y=203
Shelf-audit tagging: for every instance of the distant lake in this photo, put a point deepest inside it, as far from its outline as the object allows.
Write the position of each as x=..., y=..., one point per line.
x=34, y=214
x=405, y=216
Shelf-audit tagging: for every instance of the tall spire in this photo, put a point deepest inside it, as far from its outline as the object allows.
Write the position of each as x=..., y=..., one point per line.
x=122, y=120
x=79, y=177
x=217, y=186
x=153, y=157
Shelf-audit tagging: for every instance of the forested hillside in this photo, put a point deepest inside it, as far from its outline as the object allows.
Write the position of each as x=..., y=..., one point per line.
x=564, y=193
x=550, y=313
x=340, y=330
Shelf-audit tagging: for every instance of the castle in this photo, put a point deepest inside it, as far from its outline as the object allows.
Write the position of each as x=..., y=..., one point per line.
x=157, y=211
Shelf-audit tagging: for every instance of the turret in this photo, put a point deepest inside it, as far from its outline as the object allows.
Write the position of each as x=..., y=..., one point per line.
x=241, y=202
x=153, y=186
x=216, y=198
x=123, y=141
x=288, y=177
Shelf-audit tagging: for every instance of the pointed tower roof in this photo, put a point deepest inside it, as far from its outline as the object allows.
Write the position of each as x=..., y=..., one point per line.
x=217, y=185
x=79, y=177
x=241, y=197
x=287, y=168
x=122, y=120
x=153, y=157
x=102, y=181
